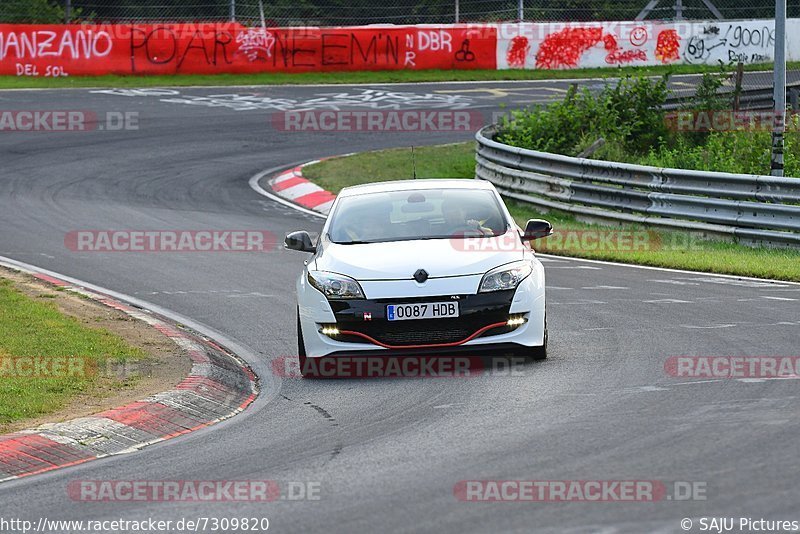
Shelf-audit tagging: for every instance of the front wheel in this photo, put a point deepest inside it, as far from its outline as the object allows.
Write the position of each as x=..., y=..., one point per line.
x=301, y=346
x=535, y=353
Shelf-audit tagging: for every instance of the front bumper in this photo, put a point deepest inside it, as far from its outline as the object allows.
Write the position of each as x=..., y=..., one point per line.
x=482, y=323
x=481, y=315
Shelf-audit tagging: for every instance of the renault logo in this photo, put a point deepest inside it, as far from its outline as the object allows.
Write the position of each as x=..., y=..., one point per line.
x=421, y=275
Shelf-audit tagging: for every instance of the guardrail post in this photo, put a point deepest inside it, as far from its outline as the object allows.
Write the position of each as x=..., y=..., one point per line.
x=737, y=87
x=67, y=11
x=779, y=90
x=521, y=10
x=233, y=11
x=457, y=11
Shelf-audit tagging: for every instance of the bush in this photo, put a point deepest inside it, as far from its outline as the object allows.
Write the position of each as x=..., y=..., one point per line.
x=31, y=12
x=628, y=112
x=736, y=152
x=629, y=117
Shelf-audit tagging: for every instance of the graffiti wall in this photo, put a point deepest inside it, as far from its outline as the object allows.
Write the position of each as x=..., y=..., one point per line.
x=57, y=50
x=566, y=46
x=232, y=48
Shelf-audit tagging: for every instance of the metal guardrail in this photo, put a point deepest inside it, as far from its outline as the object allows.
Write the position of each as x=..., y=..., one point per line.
x=749, y=99
x=748, y=208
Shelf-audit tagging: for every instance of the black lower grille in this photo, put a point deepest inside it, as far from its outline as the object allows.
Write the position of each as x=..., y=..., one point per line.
x=418, y=337
x=476, y=312
x=399, y=336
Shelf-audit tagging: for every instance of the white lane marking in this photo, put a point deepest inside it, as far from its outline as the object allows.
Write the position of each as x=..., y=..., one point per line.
x=543, y=82
x=604, y=287
x=767, y=379
x=650, y=388
x=742, y=283
x=576, y=267
x=708, y=327
x=557, y=287
x=697, y=382
x=778, y=298
x=667, y=301
x=583, y=301
x=772, y=283
x=675, y=282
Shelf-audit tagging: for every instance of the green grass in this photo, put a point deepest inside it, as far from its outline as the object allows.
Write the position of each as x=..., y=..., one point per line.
x=35, y=328
x=394, y=76
x=677, y=250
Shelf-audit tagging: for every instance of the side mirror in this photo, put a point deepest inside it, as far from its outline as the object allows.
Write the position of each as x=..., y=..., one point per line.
x=299, y=241
x=537, y=228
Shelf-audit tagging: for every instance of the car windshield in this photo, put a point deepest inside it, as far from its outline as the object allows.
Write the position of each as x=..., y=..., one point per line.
x=417, y=214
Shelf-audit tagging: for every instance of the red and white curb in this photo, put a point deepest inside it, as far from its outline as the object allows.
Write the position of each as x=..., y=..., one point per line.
x=291, y=186
x=218, y=387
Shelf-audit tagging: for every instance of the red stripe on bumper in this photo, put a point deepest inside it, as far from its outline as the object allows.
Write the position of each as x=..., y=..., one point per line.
x=429, y=346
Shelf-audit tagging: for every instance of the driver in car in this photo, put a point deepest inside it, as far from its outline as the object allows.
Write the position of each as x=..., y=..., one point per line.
x=368, y=224
x=457, y=222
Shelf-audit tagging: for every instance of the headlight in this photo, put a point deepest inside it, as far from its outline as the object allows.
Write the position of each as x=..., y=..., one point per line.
x=335, y=286
x=506, y=276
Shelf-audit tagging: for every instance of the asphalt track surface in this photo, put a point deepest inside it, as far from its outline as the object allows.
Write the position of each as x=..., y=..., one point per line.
x=387, y=453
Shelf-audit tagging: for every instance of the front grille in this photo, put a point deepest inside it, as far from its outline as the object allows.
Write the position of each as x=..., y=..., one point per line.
x=412, y=337
x=476, y=312
x=407, y=334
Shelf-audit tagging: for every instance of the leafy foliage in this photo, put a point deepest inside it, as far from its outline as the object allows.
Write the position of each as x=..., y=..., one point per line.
x=31, y=11
x=627, y=113
x=628, y=116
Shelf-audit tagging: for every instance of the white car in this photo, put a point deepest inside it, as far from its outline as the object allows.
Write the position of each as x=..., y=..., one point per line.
x=421, y=266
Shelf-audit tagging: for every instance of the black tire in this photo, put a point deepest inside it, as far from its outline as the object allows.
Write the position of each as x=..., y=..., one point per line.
x=535, y=353
x=301, y=347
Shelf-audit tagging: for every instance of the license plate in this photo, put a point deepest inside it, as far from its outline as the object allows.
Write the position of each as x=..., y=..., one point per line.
x=427, y=310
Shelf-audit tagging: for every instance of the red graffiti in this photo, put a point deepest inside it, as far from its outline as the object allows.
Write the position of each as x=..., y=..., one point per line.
x=668, y=46
x=626, y=56
x=610, y=43
x=518, y=51
x=617, y=55
x=167, y=49
x=565, y=48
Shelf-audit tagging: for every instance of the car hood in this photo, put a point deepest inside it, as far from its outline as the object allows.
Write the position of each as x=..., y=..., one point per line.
x=399, y=260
